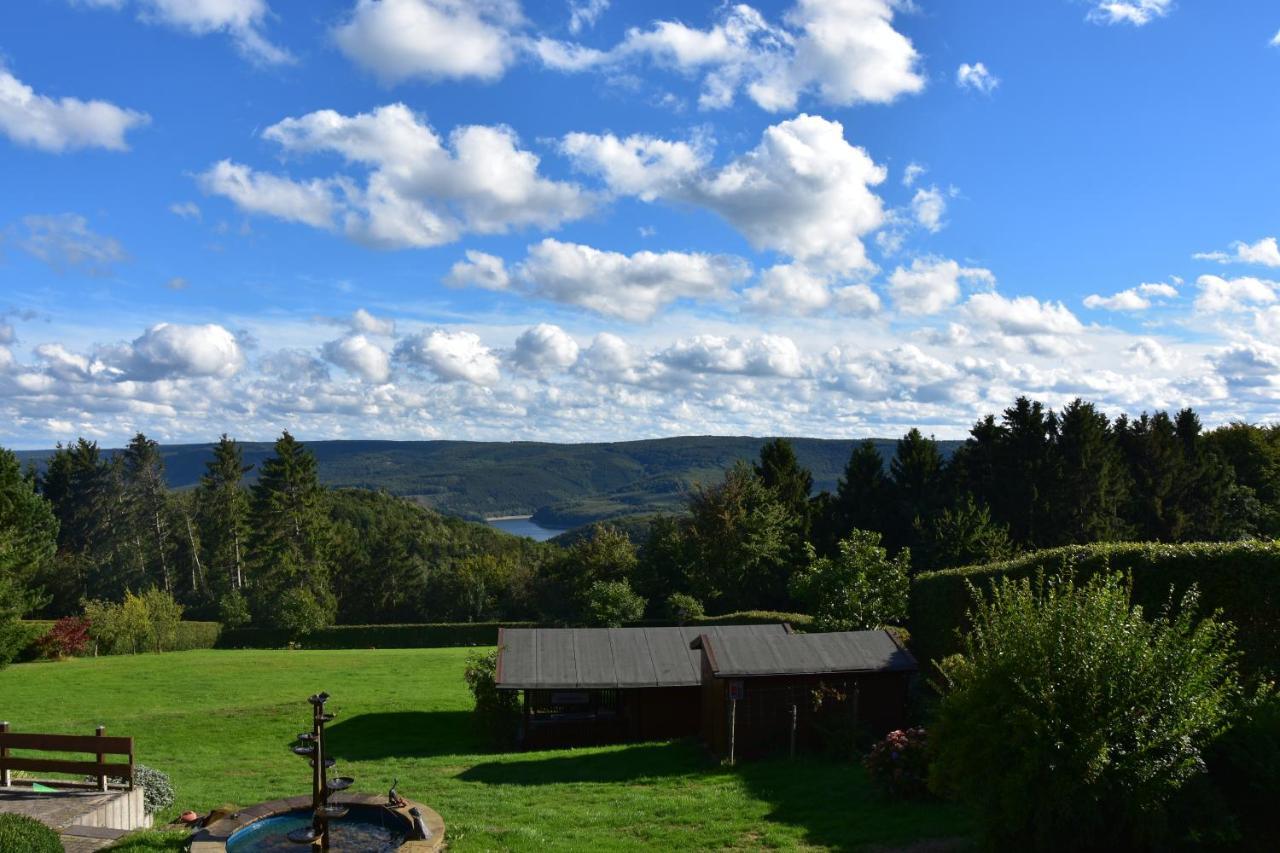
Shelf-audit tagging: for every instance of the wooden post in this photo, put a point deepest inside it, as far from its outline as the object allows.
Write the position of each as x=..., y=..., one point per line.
x=854, y=745
x=793, y=730
x=5, y=781
x=102, y=759
x=733, y=719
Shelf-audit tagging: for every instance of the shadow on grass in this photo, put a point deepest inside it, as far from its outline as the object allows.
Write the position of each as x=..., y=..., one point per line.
x=838, y=808
x=644, y=761
x=403, y=734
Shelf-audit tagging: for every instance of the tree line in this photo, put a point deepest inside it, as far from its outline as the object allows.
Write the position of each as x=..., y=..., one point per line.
x=288, y=552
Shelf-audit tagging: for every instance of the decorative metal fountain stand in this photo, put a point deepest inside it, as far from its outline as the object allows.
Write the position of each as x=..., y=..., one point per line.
x=311, y=745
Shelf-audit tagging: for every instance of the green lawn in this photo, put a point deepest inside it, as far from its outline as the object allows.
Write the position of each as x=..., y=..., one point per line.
x=220, y=723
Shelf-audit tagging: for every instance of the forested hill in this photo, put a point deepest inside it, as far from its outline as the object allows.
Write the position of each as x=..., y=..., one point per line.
x=566, y=484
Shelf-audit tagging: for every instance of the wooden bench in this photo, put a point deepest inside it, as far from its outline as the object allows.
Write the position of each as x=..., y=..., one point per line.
x=98, y=745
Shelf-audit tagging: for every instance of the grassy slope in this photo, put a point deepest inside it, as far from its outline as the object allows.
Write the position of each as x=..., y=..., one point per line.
x=220, y=723
x=574, y=482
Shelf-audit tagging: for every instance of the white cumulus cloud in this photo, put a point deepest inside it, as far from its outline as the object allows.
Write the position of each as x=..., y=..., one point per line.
x=419, y=190
x=639, y=165
x=1221, y=295
x=361, y=356
x=242, y=20
x=62, y=124
x=765, y=356
x=544, y=348
x=452, y=356
x=170, y=350
x=932, y=285
x=1265, y=252
x=431, y=39
x=842, y=52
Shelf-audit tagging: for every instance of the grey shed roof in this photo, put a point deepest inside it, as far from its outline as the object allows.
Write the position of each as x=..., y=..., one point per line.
x=581, y=658
x=737, y=656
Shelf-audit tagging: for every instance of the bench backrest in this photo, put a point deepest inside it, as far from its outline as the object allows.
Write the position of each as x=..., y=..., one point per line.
x=99, y=745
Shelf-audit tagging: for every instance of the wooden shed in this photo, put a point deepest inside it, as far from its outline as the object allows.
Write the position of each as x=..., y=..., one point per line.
x=745, y=687
x=585, y=686
x=773, y=693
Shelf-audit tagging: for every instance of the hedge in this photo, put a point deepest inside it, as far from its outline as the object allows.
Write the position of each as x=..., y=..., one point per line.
x=191, y=635
x=28, y=835
x=446, y=634
x=1242, y=579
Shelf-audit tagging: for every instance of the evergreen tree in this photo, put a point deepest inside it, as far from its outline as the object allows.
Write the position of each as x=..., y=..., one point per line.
x=1023, y=471
x=1154, y=456
x=915, y=475
x=862, y=495
x=974, y=467
x=782, y=474
x=961, y=535
x=223, y=513
x=290, y=541
x=1092, y=484
x=1215, y=505
x=148, y=512
x=28, y=542
x=87, y=494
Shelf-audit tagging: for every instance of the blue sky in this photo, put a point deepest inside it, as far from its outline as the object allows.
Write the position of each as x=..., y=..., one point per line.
x=589, y=220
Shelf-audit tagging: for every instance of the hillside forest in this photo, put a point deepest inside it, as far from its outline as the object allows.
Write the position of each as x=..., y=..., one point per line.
x=279, y=549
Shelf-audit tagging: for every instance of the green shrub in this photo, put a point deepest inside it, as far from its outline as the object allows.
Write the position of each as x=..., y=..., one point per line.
x=497, y=711
x=1232, y=806
x=1242, y=579
x=1070, y=721
x=233, y=609
x=301, y=612
x=859, y=589
x=157, y=788
x=682, y=608
x=612, y=604
x=22, y=834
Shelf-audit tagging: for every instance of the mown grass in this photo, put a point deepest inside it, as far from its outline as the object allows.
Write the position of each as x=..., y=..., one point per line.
x=220, y=723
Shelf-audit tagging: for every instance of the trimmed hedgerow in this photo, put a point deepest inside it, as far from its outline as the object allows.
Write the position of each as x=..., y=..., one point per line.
x=1242, y=579
x=19, y=832
x=449, y=634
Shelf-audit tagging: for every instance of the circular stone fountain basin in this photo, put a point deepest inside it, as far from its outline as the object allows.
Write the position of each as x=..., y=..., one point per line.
x=369, y=827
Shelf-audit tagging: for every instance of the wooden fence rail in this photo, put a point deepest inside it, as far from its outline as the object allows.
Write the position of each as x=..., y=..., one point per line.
x=99, y=745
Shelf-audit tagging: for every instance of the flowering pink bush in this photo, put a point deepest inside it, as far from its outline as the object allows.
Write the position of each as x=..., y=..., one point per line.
x=899, y=764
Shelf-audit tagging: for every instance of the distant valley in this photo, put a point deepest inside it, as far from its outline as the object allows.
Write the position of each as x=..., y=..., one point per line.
x=561, y=485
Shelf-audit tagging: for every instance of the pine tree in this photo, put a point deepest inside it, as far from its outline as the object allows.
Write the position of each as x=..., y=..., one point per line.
x=782, y=474
x=291, y=539
x=1091, y=484
x=961, y=535
x=147, y=508
x=1154, y=456
x=28, y=542
x=917, y=486
x=862, y=494
x=1023, y=471
x=1215, y=505
x=223, y=514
